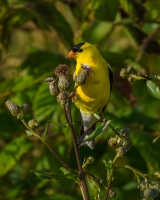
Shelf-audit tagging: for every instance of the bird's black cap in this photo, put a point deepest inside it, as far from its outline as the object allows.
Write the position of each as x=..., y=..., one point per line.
x=77, y=47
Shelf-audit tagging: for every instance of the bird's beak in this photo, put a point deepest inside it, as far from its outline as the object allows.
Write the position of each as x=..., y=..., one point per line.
x=71, y=54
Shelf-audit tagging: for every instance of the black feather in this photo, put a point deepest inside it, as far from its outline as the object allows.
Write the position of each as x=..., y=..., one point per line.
x=77, y=47
x=111, y=83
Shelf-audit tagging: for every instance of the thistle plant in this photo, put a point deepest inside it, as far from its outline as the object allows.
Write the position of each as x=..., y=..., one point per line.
x=59, y=88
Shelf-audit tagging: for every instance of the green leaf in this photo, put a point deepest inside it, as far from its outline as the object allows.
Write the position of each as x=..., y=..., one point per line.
x=45, y=175
x=70, y=175
x=53, y=18
x=138, y=35
x=108, y=165
x=148, y=151
x=96, y=31
x=54, y=196
x=62, y=124
x=152, y=11
x=45, y=132
x=107, y=11
x=153, y=89
x=97, y=132
x=134, y=9
x=43, y=103
x=12, y=153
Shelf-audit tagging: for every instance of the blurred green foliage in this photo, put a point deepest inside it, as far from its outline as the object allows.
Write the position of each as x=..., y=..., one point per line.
x=35, y=36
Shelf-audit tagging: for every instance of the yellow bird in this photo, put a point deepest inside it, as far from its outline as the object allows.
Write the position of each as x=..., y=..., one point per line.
x=93, y=95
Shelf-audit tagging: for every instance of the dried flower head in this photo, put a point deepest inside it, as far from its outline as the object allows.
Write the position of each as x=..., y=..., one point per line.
x=63, y=97
x=63, y=83
x=62, y=70
x=53, y=88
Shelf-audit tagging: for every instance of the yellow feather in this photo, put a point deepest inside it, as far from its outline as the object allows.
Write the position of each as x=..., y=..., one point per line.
x=94, y=94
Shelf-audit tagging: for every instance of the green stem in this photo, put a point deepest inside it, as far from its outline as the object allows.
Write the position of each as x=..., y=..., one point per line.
x=83, y=184
x=115, y=158
x=52, y=151
x=156, y=138
x=109, y=184
x=135, y=171
x=116, y=130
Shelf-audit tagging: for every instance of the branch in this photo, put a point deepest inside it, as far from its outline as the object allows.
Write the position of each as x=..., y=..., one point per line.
x=83, y=184
x=52, y=151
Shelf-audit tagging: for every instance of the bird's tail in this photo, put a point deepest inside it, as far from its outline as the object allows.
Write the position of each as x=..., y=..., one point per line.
x=87, y=119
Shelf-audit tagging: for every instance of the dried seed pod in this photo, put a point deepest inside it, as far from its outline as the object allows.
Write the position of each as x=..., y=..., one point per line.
x=62, y=70
x=13, y=108
x=63, y=83
x=80, y=79
x=53, y=88
x=63, y=97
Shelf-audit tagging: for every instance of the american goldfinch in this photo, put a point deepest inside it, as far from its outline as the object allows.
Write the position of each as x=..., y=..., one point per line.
x=93, y=81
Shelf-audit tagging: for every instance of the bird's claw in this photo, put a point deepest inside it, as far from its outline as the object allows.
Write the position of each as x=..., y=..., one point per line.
x=74, y=96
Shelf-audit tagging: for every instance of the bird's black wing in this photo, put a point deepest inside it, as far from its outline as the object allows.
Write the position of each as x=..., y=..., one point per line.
x=111, y=83
x=110, y=78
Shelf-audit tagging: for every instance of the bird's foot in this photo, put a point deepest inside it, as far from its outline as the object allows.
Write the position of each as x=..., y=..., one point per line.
x=74, y=96
x=104, y=120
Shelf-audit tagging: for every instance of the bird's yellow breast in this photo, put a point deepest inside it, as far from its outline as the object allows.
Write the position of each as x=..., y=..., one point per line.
x=94, y=94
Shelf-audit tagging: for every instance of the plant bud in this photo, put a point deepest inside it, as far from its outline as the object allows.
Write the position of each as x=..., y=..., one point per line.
x=125, y=132
x=13, y=108
x=125, y=143
x=120, y=151
x=33, y=123
x=157, y=174
x=112, y=193
x=131, y=79
x=123, y=73
x=80, y=79
x=63, y=83
x=149, y=189
x=20, y=116
x=63, y=98
x=131, y=70
x=112, y=141
x=90, y=160
x=25, y=108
